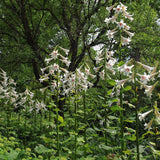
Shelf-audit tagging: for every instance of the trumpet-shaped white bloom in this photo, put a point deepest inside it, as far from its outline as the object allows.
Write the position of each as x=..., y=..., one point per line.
x=54, y=84
x=98, y=59
x=47, y=60
x=112, y=19
x=101, y=74
x=111, y=53
x=125, y=41
x=121, y=24
x=127, y=15
x=110, y=33
x=149, y=89
x=142, y=116
x=111, y=62
x=44, y=69
x=67, y=62
x=110, y=8
x=39, y=106
x=126, y=27
x=144, y=78
x=123, y=7
x=148, y=68
x=54, y=54
x=64, y=70
x=148, y=126
x=129, y=33
x=55, y=67
x=44, y=78
x=126, y=70
x=118, y=9
x=65, y=50
x=122, y=82
x=96, y=69
x=84, y=87
x=107, y=20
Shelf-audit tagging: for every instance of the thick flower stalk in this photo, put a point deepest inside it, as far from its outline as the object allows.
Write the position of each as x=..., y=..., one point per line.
x=65, y=83
x=8, y=96
x=122, y=37
x=128, y=70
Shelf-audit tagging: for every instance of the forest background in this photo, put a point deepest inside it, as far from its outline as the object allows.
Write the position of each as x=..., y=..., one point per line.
x=30, y=31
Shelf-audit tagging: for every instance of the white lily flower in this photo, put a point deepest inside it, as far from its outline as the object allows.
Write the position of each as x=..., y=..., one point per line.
x=122, y=82
x=111, y=53
x=126, y=70
x=84, y=87
x=144, y=78
x=54, y=84
x=148, y=126
x=64, y=70
x=129, y=33
x=101, y=74
x=54, y=54
x=98, y=59
x=126, y=27
x=67, y=62
x=47, y=60
x=123, y=7
x=107, y=20
x=65, y=50
x=44, y=69
x=118, y=9
x=148, y=89
x=112, y=19
x=44, y=78
x=110, y=8
x=121, y=24
x=110, y=33
x=96, y=69
x=127, y=15
x=148, y=68
x=111, y=62
x=125, y=41
x=142, y=116
x=55, y=67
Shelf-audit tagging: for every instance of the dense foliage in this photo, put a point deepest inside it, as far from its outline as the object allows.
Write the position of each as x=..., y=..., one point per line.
x=86, y=79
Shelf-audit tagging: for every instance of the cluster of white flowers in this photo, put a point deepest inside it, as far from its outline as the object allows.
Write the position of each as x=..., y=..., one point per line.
x=68, y=82
x=77, y=81
x=7, y=90
x=142, y=116
x=119, y=10
x=146, y=78
x=127, y=69
x=13, y=99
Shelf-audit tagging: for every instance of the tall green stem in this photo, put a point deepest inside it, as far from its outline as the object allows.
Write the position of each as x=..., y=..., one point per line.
x=57, y=104
x=84, y=108
x=25, y=124
x=105, y=99
x=35, y=121
x=8, y=119
x=75, y=105
x=40, y=122
x=136, y=112
x=122, y=121
x=121, y=100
